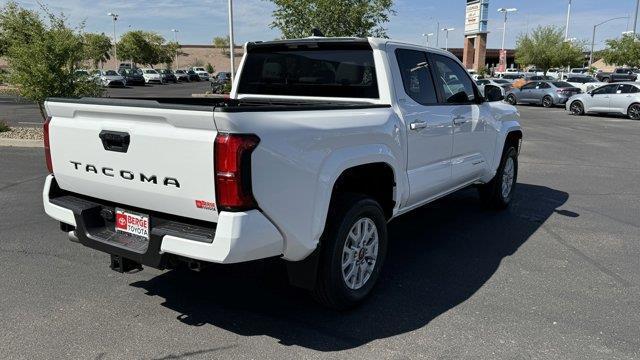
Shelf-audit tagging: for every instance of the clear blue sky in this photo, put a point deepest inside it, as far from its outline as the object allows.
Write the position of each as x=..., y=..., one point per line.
x=200, y=20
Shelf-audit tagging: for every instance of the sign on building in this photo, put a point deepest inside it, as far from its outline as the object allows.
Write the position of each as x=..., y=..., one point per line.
x=476, y=17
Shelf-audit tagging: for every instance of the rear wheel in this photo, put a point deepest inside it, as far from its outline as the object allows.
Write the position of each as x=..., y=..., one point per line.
x=547, y=101
x=634, y=111
x=497, y=193
x=576, y=108
x=511, y=99
x=607, y=80
x=353, y=249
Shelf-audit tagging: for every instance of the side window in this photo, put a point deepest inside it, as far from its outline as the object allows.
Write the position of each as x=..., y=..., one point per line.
x=453, y=81
x=529, y=86
x=482, y=82
x=416, y=77
x=543, y=85
x=607, y=89
x=627, y=89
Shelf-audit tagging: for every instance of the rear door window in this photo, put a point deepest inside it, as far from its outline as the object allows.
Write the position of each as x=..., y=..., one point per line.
x=416, y=77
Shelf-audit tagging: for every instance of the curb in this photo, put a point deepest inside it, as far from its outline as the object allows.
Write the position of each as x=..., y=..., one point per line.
x=21, y=143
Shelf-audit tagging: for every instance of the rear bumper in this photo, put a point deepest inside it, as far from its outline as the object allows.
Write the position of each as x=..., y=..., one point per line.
x=237, y=237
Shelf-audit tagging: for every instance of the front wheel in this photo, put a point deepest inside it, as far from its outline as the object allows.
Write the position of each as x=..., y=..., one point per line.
x=547, y=101
x=634, y=112
x=353, y=249
x=498, y=192
x=576, y=108
x=511, y=99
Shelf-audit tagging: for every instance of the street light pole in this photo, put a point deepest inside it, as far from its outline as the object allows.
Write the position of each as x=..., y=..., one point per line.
x=175, y=33
x=427, y=38
x=115, y=39
x=231, y=54
x=566, y=28
x=593, y=35
x=505, y=11
x=446, y=39
x=635, y=17
x=438, y=34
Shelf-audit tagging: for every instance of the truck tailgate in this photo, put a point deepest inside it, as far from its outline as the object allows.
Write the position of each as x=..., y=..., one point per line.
x=167, y=165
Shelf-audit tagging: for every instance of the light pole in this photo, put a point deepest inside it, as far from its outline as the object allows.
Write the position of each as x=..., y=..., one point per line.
x=505, y=11
x=175, y=36
x=231, y=54
x=427, y=37
x=446, y=38
x=635, y=17
x=566, y=28
x=593, y=35
x=115, y=39
x=438, y=34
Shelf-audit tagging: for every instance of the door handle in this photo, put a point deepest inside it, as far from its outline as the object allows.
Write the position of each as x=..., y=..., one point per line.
x=417, y=125
x=459, y=120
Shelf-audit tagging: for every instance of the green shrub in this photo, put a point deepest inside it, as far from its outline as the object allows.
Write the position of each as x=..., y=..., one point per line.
x=4, y=127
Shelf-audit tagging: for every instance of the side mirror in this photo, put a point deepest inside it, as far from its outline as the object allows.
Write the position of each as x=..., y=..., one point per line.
x=493, y=93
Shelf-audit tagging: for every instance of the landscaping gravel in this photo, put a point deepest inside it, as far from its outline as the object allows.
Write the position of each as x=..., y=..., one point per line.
x=24, y=133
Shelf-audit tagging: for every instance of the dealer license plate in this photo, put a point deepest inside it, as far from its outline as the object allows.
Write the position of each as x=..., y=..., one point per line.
x=133, y=223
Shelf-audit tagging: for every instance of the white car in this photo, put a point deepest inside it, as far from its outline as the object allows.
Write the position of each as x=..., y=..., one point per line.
x=307, y=169
x=584, y=82
x=504, y=85
x=202, y=73
x=618, y=98
x=151, y=76
x=109, y=78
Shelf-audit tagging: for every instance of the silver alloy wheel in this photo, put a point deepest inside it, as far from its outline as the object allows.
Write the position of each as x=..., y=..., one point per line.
x=576, y=108
x=511, y=99
x=508, y=174
x=547, y=102
x=360, y=253
x=634, y=112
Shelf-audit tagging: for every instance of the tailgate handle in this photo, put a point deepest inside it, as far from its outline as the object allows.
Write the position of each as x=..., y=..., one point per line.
x=115, y=140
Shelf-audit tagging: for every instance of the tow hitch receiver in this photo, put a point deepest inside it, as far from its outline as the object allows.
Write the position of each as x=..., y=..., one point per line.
x=124, y=265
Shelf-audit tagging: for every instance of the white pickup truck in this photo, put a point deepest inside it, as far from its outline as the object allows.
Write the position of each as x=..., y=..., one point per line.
x=322, y=142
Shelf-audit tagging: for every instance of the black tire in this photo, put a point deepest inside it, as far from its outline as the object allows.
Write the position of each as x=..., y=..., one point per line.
x=511, y=99
x=547, y=101
x=576, y=108
x=491, y=194
x=607, y=80
x=331, y=288
x=634, y=112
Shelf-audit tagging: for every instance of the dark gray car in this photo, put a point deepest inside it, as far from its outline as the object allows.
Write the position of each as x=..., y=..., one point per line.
x=545, y=93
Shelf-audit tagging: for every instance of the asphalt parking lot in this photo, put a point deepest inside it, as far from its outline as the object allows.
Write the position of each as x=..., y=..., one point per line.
x=17, y=112
x=556, y=276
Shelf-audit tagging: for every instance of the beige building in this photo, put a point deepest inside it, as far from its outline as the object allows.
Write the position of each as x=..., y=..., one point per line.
x=189, y=56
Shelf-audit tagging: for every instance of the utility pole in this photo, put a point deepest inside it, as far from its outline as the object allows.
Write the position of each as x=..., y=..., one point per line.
x=438, y=34
x=175, y=33
x=593, y=35
x=505, y=11
x=231, y=50
x=115, y=39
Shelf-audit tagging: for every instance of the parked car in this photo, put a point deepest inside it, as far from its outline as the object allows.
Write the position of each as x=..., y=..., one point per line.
x=579, y=70
x=167, y=76
x=181, y=75
x=545, y=93
x=152, y=76
x=109, y=78
x=539, y=78
x=81, y=73
x=222, y=77
x=202, y=73
x=618, y=75
x=556, y=74
x=585, y=83
x=132, y=76
x=511, y=77
x=503, y=84
x=307, y=168
x=193, y=76
x=619, y=98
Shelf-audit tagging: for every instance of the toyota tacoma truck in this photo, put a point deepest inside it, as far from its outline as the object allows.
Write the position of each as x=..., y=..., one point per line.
x=618, y=75
x=321, y=143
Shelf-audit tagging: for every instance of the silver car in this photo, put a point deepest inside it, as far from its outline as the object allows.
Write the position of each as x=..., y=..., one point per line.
x=109, y=78
x=546, y=93
x=619, y=98
x=501, y=83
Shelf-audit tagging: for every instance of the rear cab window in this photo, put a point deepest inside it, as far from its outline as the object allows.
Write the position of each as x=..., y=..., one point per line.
x=318, y=69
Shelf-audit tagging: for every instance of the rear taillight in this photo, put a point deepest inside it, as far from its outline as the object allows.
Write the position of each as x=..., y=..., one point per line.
x=232, y=168
x=47, y=148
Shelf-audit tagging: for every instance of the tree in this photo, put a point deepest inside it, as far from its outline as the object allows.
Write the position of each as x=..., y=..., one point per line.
x=545, y=48
x=210, y=68
x=97, y=48
x=358, y=18
x=222, y=42
x=623, y=51
x=147, y=48
x=43, y=56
